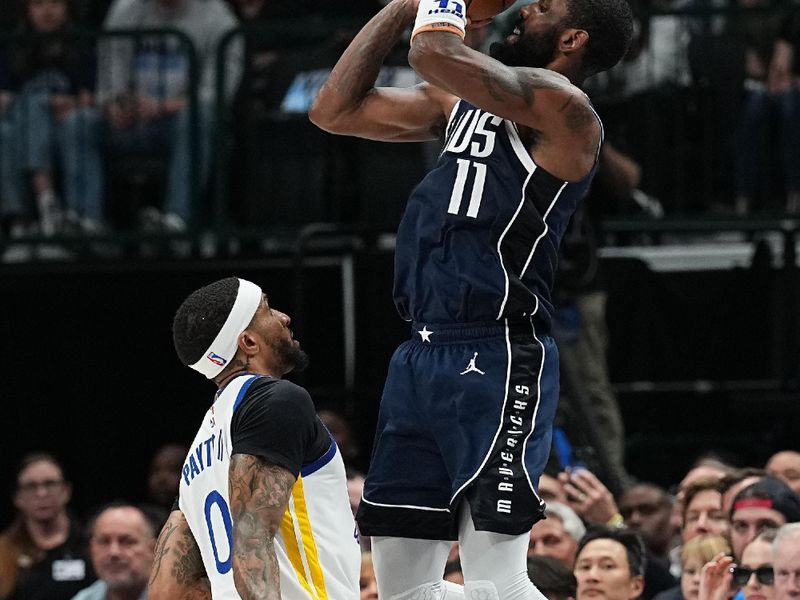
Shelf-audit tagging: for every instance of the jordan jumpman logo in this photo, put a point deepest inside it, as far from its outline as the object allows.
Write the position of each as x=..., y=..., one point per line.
x=471, y=366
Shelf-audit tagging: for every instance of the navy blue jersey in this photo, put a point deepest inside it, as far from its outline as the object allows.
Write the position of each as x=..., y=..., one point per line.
x=479, y=238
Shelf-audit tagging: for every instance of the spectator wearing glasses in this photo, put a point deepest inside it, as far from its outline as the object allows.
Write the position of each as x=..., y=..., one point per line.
x=42, y=553
x=768, y=504
x=753, y=577
x=755, y=574
x=786, y=562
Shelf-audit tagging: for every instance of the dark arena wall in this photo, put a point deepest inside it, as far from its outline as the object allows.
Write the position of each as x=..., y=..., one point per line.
x=89, y=372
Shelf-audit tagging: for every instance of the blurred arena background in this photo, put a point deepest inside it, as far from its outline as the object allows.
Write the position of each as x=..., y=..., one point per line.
x=691, y=230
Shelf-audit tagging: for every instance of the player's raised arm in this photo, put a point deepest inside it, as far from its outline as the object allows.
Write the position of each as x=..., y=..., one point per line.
x=350, y=104
x=259, y=494
x=540, y=98
x=178, y=572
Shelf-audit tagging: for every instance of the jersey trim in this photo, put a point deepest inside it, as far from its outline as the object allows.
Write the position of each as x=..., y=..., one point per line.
x=500, y=243
x=242, y=391
x=411, y=506
x=535, y=412
x=546, y=228
x=453, y=112
x=602, y=131
x=320, y=462
x=519, y=148
x=305, y=562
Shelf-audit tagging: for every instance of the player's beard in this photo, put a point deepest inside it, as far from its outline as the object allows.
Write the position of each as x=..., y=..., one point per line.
x=290, y=355
x=529, y=50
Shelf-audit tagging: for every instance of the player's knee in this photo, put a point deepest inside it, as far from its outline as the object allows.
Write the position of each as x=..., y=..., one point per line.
x=480, y=590
x=515, y=587
x=427, y=591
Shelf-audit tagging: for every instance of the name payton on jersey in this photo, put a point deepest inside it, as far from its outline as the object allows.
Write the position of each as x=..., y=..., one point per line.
x=202, y=456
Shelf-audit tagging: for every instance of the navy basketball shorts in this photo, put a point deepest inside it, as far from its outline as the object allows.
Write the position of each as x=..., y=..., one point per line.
x=467, y=412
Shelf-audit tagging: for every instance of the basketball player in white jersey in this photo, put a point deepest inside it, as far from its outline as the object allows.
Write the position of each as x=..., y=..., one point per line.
x=263, y=510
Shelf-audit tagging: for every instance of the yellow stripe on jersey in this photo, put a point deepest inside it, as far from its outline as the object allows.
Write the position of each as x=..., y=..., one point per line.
x=309, y=545
x=293, y=550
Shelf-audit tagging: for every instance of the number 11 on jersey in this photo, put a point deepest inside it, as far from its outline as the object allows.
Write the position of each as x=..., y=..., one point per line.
x=461, y=182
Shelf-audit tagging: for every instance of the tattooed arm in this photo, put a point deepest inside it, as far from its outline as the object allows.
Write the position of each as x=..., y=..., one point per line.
x=540, y=99
x=178, y=572
x=350, y=104
x=259, y=495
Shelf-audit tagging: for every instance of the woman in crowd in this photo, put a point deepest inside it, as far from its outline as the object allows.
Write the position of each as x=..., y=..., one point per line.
x=42, y=553
x=753, y=578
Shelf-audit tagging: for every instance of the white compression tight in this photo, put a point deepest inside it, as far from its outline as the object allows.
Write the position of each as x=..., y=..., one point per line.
x=494, y=566
x=411, y=569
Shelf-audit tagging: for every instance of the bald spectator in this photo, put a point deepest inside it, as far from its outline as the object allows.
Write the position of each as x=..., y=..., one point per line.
x=164, y=475
x=646, y=509
x=768, y=504
x=552, y=578
x=557, y=535
x=785, y=465
x=122, y=548
x=703, y=512
x=786, y=562
x=610, y=564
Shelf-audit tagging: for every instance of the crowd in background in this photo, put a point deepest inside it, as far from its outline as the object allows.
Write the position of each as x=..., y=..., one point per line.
x=703, y=114
x=722, y=532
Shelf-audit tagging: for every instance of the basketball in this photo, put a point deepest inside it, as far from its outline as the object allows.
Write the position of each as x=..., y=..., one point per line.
x=483, y=10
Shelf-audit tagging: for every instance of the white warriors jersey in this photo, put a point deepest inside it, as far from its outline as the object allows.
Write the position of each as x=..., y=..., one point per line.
x=317, y=547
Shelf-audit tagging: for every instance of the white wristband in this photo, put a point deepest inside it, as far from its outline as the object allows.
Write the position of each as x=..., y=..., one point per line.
x=441, y=15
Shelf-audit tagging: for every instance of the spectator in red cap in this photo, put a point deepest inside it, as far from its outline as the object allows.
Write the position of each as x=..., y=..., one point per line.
x=768, y=504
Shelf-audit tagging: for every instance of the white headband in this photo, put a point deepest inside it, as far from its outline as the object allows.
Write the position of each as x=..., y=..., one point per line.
x=224, y=346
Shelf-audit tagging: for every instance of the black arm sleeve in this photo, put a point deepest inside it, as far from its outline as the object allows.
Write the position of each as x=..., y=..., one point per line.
x=276, y=421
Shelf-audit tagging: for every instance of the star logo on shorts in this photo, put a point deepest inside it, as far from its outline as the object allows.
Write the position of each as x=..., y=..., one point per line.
x=471, y=368
x=425, y=334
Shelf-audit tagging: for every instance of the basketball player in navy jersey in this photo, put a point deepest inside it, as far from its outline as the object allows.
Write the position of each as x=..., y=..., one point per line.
x=465, y=421
x=263, y=510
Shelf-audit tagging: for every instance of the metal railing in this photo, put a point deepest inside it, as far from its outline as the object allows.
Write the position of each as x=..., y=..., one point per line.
x=273, y=171
x=102, y=49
